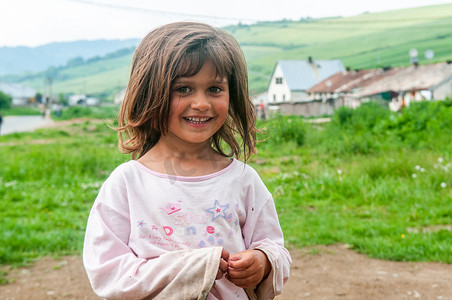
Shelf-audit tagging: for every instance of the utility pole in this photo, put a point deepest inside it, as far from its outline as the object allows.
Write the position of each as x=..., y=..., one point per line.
x=49, y=90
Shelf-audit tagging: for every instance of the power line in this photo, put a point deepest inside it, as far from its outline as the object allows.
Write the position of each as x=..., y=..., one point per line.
x=162, y=12
x=376, y=21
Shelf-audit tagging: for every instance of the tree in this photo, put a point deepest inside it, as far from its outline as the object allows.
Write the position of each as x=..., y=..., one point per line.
x=38, y=97
x=76, y=61
x=5, y=100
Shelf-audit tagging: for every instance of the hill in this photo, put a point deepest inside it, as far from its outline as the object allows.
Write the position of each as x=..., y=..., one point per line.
x=365, y=41
x=15, y=60
x=98, y=76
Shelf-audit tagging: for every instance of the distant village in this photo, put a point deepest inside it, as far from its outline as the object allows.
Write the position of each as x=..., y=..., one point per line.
x=311, y=88
x=317, y=87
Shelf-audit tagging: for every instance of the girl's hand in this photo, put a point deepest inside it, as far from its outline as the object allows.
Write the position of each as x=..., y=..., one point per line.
x=248, y=268
x=223, y=268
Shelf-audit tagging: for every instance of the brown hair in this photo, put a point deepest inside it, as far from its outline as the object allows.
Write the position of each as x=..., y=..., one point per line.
x=180, y=50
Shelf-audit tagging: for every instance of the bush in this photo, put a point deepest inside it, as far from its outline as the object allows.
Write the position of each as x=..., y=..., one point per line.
x=422, y=122
x=5, y=100
x=372, y=127
x=284, y=129
x=361, y=119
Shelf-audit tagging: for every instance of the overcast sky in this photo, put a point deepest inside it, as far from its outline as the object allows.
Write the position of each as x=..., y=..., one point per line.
x=37, y=22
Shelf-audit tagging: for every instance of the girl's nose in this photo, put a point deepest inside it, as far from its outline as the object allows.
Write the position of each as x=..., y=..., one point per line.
x=201, y=102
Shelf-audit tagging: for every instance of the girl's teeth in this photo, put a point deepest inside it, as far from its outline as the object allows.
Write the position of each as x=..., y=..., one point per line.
x=198, y=120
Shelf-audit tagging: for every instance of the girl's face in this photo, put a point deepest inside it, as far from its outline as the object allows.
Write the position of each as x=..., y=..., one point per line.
x=199, y=106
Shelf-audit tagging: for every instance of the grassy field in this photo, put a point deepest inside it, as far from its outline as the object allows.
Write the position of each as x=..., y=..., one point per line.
x=378, y=181
x=363, y=41
x=21, y=111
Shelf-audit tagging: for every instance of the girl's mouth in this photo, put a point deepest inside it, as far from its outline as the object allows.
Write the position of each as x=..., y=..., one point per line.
x=197, y=120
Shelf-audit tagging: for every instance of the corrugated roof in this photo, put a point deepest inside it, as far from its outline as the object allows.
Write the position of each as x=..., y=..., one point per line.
x=408, y=79
x=301, y=75
x=344, y=81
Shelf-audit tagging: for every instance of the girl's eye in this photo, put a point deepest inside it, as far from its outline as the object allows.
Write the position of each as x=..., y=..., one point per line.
x=215, y=89
x=183, y=89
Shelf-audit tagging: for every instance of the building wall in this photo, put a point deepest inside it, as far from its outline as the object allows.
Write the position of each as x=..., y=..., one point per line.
x=351, y=102
x=307, y=109
x=278, y=92
x=443, y=91
x=17, y=101
x=299, y=96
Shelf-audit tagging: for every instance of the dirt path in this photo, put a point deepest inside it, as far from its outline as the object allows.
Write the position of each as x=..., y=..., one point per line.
x=333, y=272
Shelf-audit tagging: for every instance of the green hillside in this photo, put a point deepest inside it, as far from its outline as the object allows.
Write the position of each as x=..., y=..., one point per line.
x=364, y=41
x=98, y=76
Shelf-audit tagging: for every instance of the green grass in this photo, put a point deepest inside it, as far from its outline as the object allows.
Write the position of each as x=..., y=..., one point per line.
x=48, y=181
x=368, y=202
x=94, y=112
x=21, y=111
x=372, y=179
x=377, y=181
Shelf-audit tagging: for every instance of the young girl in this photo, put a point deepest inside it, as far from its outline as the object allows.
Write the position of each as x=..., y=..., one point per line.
x=183, y=219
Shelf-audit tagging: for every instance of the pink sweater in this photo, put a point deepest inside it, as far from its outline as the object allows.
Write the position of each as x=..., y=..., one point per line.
x=160, y=236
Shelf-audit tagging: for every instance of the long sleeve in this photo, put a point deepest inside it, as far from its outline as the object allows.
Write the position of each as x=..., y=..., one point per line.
x=115, y=272
x=262, y=231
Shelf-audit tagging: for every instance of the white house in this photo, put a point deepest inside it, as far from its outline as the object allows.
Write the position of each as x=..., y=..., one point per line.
x=21, y=95
x=92, y=101
x=74, y=100
x=82, y=99
x=291, y=78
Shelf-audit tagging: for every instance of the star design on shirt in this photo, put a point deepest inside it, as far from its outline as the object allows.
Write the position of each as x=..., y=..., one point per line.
x=218, y=210
x=141, y=223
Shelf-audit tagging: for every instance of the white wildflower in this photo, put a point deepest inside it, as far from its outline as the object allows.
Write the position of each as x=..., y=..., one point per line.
x=417, y=167
x=414, y=175
x=285, y=176
x=11, y=183
x=93, y=185
x=422, y=170
x=339, y=172
x=443, y=185
x=440, y=160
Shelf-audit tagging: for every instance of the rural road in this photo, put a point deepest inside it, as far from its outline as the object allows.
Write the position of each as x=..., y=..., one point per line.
x=13, y=124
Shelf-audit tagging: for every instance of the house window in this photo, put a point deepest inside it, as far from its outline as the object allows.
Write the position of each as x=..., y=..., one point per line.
x=274, y=97
x=278, y=80
x=284, y=97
